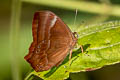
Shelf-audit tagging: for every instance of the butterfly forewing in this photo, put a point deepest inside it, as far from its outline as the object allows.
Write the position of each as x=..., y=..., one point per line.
x=52, y=40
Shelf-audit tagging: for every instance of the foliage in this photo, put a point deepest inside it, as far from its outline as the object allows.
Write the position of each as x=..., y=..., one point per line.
x=101, y=45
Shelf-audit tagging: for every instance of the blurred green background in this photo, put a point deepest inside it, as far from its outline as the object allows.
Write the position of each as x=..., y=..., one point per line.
x=16, y=32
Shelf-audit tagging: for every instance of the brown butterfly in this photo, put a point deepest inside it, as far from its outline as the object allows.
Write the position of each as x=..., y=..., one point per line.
x=52, y=41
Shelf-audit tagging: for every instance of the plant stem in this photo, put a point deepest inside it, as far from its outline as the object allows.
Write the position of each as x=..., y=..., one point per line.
x=14, y=39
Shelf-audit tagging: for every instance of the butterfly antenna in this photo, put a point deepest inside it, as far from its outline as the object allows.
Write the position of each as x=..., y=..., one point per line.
x=75, y=16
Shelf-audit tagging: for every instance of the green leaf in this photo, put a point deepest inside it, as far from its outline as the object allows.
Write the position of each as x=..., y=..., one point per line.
x=101, y=45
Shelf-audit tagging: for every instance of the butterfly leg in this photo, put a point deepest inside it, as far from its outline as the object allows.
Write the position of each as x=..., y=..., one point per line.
x=70, y=56
x=81, y=48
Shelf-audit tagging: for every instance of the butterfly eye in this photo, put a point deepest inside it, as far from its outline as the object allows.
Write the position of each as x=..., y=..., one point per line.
x=75, y=34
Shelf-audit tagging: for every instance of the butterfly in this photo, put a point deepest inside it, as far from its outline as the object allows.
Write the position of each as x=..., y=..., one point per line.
x=52, y=41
